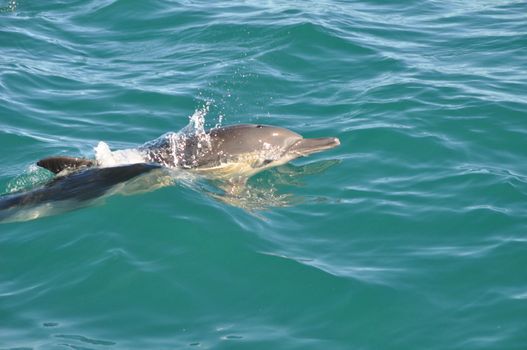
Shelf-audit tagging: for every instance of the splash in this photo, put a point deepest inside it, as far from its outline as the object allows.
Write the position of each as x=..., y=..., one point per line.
x=107, y=158
x=196, y=123
x=171, y=148
x=32, y=177
x=11, y=6
x=168, y=149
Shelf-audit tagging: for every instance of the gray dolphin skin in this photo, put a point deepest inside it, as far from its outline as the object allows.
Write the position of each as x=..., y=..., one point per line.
x=233, y=152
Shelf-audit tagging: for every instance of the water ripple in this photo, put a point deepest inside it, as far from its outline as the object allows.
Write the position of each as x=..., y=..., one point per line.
x=416, y=222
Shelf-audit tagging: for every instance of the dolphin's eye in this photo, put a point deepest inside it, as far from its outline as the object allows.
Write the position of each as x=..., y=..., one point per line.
x=259, y=126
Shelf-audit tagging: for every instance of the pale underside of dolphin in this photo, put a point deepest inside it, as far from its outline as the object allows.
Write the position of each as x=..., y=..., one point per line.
x=232, y=153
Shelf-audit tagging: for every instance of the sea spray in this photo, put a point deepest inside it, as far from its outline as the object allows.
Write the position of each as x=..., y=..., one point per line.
x=171, y=147
x=33, y=176
x=107, y=158
x=166, y=149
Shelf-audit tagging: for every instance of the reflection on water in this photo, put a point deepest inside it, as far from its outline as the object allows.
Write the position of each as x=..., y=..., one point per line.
x=290, y=174
x=261, y=193
x=252, y=198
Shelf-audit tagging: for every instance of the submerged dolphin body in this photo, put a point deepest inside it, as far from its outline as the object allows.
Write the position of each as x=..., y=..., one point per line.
x=233, y=152
x=72, y=190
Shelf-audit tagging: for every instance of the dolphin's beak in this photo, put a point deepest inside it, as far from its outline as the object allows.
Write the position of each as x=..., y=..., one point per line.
x=305, y=147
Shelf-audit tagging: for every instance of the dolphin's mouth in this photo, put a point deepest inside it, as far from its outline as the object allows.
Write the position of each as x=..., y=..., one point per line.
x=305, y=147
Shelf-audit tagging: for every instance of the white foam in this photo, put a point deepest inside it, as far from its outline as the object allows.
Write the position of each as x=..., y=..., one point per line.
x=32, y=176
x=195, y=128
x=106, y=157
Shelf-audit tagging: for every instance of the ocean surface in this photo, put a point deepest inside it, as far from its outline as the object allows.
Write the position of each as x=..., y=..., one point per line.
x=410, y=235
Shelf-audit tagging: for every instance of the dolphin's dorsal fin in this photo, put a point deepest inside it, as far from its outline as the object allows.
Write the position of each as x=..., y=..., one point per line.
x=57, y=164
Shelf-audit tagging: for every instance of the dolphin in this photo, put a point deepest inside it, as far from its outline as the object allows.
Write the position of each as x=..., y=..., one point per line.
x=72, y=189
x=234, y=153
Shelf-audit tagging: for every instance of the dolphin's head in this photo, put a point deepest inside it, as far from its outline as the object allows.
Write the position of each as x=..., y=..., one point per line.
x=250, y=148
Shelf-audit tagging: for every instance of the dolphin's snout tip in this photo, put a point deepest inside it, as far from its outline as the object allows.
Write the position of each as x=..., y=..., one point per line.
x=308, y=146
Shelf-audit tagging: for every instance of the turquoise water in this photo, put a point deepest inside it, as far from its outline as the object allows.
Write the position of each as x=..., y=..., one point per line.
x=411, y=235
